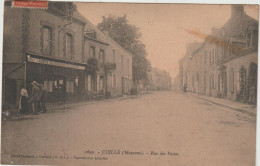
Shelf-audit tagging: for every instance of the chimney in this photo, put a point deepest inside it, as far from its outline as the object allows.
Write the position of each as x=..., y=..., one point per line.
x=237, y=10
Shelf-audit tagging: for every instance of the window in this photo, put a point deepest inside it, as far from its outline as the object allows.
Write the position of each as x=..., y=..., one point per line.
x=89, y=83
x=114, y=81
x=114, y=56
x=68, y=46
x=69, y=86
x=255, y=37
x=101, y=83
x=209, y=57
x=72, y=87
x=128, y=64
x=122, y=63
x=232, y=81
x=48, y=85
x=86, y=51
x=92, y=52
x=212, y=82
x=97, y=84
x=101, y=56
x=213, y=56
x=47, y=41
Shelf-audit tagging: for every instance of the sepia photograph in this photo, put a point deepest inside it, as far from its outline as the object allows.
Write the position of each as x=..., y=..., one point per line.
x=129, y=84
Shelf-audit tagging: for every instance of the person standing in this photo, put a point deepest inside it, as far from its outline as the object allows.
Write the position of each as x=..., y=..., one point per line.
x=23, y=103
x=43, y=98
x=252, y=93
x=35, y=97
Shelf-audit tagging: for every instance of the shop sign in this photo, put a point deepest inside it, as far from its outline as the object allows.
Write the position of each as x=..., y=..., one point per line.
x=53, y=63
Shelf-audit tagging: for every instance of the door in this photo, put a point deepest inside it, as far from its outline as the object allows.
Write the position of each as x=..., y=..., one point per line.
x=123, y=87
x=10, y=97
x=60, y=89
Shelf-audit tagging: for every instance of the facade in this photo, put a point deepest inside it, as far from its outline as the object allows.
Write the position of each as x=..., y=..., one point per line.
x=159, y=80
x=95, y=53
x=120, y=80
x=55, y=48
x=225, y=64
x=115, y=67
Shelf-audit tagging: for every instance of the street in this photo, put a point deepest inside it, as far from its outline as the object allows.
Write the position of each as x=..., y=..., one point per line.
x=187, y=130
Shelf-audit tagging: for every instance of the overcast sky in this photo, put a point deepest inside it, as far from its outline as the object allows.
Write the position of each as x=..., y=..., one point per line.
x=162, y=25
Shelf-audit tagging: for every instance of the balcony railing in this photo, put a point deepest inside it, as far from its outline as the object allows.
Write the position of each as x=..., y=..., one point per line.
x=109, y=66
x=92, y=65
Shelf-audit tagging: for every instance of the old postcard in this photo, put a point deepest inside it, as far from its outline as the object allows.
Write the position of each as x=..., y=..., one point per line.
x=129, y=84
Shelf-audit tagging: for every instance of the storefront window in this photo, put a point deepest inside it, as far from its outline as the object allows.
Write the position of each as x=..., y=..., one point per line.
x=69, y=86
x=48, y=85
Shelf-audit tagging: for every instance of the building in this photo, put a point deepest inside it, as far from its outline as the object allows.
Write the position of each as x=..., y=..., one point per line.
x=159, y=80
x=184, y=69
x=114, y=76
x=43, y=46
x=57, y=48
x=225, y=64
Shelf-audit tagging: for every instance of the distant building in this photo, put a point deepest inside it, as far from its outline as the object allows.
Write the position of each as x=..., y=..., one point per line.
x=159, y=80
x=225, y=64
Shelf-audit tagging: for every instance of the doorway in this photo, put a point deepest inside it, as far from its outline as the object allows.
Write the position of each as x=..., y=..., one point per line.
x=59, y=89
x=10, y=96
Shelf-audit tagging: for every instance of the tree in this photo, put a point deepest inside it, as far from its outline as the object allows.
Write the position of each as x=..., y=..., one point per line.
x=128, y=36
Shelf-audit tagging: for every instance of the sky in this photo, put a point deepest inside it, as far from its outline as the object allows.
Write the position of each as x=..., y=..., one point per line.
x=162, y=25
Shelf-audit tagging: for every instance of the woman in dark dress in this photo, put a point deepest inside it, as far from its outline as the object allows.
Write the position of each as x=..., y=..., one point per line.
x=23, y=105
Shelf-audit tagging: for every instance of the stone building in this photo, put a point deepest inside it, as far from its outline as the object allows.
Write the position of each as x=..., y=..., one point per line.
x=43, y=46
x=114, y=76
x=184, y=69
x=225, y=64
x=55, y=48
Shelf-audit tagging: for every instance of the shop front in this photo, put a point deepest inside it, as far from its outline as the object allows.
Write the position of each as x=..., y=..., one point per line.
x=63, y=80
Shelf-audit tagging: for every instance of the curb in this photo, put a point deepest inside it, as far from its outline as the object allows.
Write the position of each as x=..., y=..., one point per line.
x=250, y=113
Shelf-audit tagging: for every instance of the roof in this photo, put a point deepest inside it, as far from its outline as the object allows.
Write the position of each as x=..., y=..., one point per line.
x=79, y=17
x=192, y=47
x=101, y=36
x=237, y=24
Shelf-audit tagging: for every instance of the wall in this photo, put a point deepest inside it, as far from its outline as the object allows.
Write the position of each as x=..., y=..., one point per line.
x=236, y=64
x=39, y=18
x=121, y=71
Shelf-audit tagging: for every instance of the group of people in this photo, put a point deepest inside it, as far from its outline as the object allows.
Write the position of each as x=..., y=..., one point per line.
x=36, y=102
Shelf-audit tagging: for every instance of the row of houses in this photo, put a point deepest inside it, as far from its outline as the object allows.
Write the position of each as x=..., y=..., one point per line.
x=225, y=64
x=61, y=49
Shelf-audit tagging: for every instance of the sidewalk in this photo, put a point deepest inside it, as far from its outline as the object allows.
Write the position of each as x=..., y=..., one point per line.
x=14, y=114
x=237, y=106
